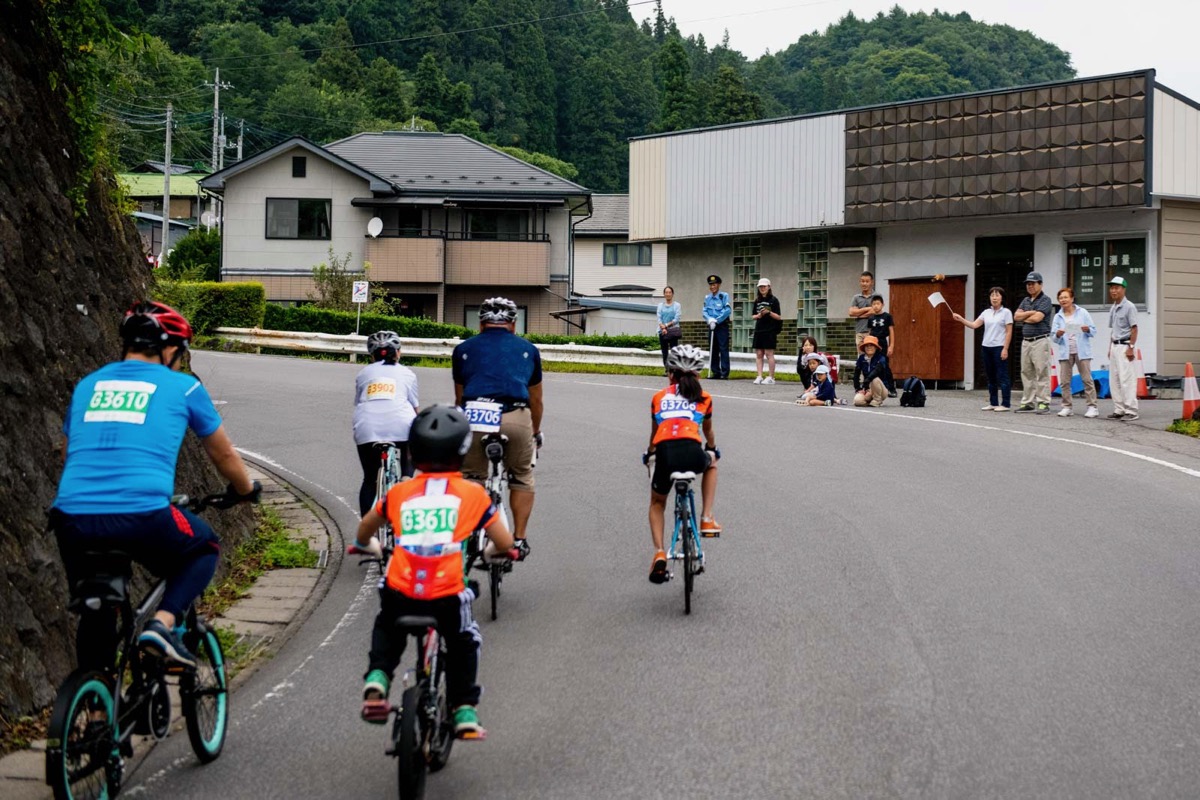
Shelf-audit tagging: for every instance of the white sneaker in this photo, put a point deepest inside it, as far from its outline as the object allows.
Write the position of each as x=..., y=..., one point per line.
x=1066, y=412
x=987, y=408
x=1091, y=413
x=758, y=380
x=1002, y=408
x=768, y=380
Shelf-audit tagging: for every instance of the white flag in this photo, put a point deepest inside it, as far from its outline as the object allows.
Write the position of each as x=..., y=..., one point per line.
x=936, y=300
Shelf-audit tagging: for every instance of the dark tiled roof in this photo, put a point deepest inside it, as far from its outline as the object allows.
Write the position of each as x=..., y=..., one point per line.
x=447, y=162
x=610, y=215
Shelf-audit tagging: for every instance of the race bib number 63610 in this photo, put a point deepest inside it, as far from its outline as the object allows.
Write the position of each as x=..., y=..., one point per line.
x=120, y=401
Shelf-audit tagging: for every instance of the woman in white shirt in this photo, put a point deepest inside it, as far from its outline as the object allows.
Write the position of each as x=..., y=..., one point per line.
x=997, y=322
x=1073, y=331
x=385, y=404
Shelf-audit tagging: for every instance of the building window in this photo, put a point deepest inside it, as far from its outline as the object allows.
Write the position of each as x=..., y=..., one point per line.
x=298, y=219
x=812, y=282
x=299, y=166
x=1092, y=263
x=747, y=253
x=504, y=226
x=627, y=255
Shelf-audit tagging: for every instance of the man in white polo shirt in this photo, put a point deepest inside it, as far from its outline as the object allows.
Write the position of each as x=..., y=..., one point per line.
x=1122, y=377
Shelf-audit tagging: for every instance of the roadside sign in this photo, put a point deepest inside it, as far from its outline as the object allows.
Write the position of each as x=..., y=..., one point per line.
x=362, y=292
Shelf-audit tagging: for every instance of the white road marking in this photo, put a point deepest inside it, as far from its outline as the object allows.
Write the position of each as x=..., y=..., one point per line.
x=874, y=412
x=277, y=466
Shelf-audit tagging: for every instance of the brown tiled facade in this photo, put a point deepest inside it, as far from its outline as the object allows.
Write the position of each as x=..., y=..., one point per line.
x=419, y=260
x=482, y=263
x=1074, y=146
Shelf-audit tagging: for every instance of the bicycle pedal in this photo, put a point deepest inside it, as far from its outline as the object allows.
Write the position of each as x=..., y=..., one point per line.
x=710, y=535
x=472, y=736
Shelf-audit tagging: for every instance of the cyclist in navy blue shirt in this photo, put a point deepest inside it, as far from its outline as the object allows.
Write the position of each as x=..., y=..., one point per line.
x=124, y=428
x=498, y=384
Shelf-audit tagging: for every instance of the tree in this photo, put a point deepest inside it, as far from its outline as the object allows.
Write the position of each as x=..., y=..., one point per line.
x=678, y=100
x=333, y=283
x=731, y=101
x=195, y=257
x=339, y=63
x=387, y=91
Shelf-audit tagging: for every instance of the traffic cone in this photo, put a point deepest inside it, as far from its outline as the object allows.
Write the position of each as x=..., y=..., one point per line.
x=1143, y=391
x=1191, y=392
x=1053, y=376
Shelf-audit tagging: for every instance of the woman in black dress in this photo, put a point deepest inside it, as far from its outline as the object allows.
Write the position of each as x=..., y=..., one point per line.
x=768, y=322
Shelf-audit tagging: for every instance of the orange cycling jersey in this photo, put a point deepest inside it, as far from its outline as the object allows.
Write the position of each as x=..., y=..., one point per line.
x=433, y=515
x=678, y=418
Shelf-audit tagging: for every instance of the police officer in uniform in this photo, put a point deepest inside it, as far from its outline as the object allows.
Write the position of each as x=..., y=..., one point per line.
x=717, y=310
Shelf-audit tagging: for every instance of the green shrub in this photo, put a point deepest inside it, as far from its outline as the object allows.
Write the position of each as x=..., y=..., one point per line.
x=209, y=306
x=195, y=257
x=600, y=340
x=309, y=319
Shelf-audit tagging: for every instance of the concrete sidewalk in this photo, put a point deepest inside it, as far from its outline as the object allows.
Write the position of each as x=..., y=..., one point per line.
x=278, y=599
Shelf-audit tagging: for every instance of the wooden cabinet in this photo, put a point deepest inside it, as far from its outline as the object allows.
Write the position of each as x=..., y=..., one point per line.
x=929, y=343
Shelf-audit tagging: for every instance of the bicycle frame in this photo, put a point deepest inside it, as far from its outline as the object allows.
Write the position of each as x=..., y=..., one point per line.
x=685, y=507
x=389, y=475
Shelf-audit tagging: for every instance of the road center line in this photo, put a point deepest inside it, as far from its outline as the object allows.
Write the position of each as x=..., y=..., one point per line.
x=1192, y=473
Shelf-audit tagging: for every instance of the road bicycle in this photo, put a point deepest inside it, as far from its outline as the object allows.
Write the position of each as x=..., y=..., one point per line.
x=390, y=474
x=685, y=540
x=97, y=713
x=423, y=728
x=498, y=565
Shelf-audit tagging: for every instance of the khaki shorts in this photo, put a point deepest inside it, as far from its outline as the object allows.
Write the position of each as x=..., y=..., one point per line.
x=517, y=425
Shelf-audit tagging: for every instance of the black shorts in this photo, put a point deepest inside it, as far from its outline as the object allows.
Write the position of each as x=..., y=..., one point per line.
x=682, y=455
x=765, y=340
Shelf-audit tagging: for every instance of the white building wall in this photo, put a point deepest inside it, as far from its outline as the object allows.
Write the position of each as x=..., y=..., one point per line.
x=647, y=189
x=244, y=236
x=591, y=274
x=1176, y=147
x=948, y=247
x=558, y=227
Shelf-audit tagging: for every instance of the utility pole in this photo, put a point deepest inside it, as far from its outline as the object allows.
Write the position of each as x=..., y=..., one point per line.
x=241, y=133
x=166, y=210
x=222, y=146
x=217, y=86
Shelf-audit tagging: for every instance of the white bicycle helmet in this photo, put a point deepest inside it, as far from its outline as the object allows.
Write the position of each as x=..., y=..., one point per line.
x=383, y=340
x=497, y=310
x=686, y=358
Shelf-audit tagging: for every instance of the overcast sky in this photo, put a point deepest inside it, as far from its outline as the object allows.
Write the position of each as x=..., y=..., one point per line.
x=1102, y=36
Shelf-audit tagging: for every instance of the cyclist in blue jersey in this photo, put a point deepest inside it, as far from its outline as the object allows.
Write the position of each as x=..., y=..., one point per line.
x=497, y=374
x=123, y=431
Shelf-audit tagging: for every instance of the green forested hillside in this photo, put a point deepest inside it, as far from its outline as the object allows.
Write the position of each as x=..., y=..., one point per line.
x=568, y=79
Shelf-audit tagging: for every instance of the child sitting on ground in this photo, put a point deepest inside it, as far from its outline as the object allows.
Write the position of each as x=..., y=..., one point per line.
x=869, y=370
x=433, y=516
x=822, y=392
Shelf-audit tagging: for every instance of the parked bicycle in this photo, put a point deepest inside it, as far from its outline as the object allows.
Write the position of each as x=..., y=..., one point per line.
x=96, y=713
x=423, y=728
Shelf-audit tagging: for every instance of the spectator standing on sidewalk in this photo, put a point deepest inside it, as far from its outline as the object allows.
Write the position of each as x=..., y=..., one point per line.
x=669, y=332
x=1035, y=314
x=1122, y=377
x=768, y=322
x=997, y=322
x=1073, y=332
x=860, y=307
x=717, y=310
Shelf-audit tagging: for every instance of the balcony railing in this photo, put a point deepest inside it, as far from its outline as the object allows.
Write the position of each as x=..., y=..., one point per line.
x=498, y=263
x=396, y=259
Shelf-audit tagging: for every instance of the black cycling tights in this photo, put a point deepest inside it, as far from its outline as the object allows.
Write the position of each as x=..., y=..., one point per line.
x=369, y=457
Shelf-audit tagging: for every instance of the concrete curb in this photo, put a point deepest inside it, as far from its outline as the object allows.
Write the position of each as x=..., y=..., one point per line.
x=268, y=615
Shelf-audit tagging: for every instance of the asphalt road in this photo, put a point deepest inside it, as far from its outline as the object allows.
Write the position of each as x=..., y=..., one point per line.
x=927, y=603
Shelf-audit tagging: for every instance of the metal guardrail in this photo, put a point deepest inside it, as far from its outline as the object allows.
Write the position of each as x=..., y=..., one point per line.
x=353, y=344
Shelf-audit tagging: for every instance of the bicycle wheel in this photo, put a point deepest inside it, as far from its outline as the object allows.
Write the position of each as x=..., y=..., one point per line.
x=495, y=573
x=81, y=752
x=689, y=559
x=409, y=752
x=204, y=697
x=441, y=732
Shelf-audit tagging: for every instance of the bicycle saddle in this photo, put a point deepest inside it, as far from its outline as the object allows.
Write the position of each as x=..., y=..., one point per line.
x=683, y=476
x=107, y=583
x=407, y=621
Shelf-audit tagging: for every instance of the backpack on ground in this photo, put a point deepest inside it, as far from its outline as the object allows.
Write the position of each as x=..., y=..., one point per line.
x=913, y=395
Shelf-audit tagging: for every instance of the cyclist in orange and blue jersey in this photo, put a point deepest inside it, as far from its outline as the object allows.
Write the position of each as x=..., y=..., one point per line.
x=433, y=516
x=680, y=413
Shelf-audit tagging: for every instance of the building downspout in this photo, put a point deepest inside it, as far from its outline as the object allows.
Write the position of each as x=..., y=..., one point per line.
x=571, y=252
x=866, y=253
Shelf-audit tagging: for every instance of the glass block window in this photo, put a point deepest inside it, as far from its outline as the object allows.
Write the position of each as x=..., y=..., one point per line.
x=812, y=284
x=747, y=254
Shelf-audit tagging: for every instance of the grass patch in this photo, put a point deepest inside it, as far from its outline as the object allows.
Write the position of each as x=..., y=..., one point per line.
x=1188, y=427
x=235, y=648
x=18, y=734
x=269, y=548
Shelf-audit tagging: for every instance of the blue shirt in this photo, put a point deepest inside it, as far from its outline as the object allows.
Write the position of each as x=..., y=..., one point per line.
x=124, y=428
x=496, y=364
x=668, y=314
x=825, y=390
x=716, y=307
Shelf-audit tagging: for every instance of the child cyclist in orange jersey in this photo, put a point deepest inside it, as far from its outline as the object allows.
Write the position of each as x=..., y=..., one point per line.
x=678, y=414
x=434, y=515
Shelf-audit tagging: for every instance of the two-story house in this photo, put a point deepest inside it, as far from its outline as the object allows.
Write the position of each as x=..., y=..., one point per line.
x=460, y=222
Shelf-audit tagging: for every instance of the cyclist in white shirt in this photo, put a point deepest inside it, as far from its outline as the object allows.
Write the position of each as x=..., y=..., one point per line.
x=385, y=404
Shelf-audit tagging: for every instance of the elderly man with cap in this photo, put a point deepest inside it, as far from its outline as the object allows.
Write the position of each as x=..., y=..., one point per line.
x=1035, y=314
x=717, y=310
x=1122, y=377
x=768, y=322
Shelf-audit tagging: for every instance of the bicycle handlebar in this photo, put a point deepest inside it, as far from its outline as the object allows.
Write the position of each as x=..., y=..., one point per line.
x=225, y=500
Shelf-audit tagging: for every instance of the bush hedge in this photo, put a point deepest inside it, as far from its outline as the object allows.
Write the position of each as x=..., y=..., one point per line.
x=308, y=319
x=209, y=306
x=598, y=340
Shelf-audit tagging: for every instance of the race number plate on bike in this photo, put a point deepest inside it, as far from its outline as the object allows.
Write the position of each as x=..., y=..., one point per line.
x=484, y=417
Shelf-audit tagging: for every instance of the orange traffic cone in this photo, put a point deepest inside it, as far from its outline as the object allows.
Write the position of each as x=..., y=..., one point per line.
x=1191, y=392
x=1143, y=391
x=1053, y=376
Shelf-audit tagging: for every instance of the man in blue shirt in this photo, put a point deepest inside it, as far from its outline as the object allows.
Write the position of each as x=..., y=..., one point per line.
x=498, y=384
x=717, y=311
x=124, y=428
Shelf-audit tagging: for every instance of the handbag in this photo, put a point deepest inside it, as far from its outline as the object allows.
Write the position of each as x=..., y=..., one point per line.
x=673, y=333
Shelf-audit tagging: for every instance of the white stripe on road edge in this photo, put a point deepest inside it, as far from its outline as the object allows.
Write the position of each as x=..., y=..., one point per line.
x=276, y=465
x=1192, y=473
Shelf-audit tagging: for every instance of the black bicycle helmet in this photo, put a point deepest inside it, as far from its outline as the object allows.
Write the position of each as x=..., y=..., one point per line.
x=383, y=345
x=439, y=439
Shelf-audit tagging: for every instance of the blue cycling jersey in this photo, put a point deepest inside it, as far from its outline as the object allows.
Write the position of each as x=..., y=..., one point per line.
x=124, y=428
x=496, y=364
